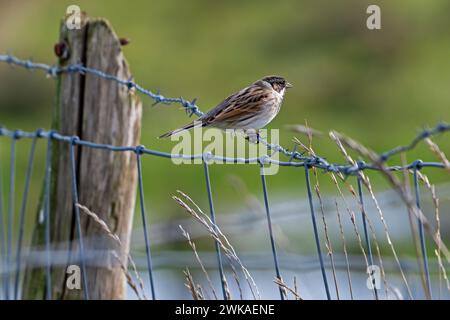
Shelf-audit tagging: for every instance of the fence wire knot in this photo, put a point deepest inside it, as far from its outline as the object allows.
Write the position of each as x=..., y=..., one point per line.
x=158, y=99
x=51, y=134
x=263, y=159
x=139, y=149
x=74, y=140
x=296, y=159
x=130, y=84
x=417, y=165
x=17, y=134
x=9, y=59
x=40, y=133
x=207, y=156
x=361, y=164
x=53, y=71
x=28, y=64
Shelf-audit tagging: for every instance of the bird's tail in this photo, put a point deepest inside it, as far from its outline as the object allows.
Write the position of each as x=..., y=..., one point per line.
x=191, y=125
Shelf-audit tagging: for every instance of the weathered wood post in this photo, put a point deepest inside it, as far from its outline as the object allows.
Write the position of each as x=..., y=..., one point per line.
x=101, y=111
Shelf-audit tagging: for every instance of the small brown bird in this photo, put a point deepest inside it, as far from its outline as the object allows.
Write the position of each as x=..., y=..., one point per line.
x=252, y=108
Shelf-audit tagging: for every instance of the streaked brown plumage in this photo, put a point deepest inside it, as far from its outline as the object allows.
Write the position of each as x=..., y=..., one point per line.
x=251, y=108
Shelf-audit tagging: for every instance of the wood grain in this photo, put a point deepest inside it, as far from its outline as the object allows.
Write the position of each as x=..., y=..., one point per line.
x=101, y=111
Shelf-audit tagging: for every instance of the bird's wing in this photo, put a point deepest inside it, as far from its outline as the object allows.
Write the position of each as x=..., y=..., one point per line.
x=239, y=106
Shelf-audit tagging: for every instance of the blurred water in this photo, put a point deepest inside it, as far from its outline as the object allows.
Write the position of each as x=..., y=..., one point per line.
x=247, y=232
x=169, y=282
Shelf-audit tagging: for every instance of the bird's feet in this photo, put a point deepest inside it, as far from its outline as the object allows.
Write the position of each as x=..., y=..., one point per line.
x=253, y=136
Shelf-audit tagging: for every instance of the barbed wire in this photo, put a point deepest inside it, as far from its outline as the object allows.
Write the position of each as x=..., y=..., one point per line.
x=317, y=162
x=296, y=159
x=191, y=108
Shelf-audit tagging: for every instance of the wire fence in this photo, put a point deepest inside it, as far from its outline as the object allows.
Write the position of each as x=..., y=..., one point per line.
x=293, y=159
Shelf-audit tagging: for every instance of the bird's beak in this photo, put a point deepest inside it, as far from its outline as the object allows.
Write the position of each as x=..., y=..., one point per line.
x=288, y=85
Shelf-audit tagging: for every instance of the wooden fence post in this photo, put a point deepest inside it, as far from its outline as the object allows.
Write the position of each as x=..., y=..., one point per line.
x=101, y=111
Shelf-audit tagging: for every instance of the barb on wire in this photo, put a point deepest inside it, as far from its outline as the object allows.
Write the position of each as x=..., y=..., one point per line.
x=191, y=108
x=311, y=161
x=440, y=128
x=295, y=159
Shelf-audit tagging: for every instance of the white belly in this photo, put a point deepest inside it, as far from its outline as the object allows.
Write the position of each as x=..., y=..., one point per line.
x=268, y=112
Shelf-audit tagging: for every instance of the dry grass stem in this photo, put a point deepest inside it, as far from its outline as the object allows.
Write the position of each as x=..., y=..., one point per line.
x=285, y=288
x=341, y=231
x=302, y=145
x=227, y=288
x=116, y=238
x=440, y=154
x=352, y=218
x=322, y=211
x=352, y=144
x=355, y=228
x=298, y=128
x=372, y=233
x=194, y=249
x=388, y=237
x=194, y=289
x=412, y=224
x=130, y=281
x=443, y=272
x=236, y=279
x=221, y=239
x=327, y=240
x=432, y=189
x=398, y=187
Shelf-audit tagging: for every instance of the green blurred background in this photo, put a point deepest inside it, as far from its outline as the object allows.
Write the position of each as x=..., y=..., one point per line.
x=380, y=87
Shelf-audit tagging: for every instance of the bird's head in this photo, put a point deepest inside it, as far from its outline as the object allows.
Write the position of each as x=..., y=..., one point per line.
x=279, y=84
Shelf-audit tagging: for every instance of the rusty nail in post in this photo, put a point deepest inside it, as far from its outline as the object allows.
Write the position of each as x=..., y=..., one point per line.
x=124, y=41
x=62, y=50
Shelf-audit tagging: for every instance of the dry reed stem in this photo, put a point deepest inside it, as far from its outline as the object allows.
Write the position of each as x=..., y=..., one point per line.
x=298, y=128
x=443, y=272
x=352, y=144
x=327, y=240
x=116, y=238
x=337, y=139
x=352, y=219
x=295, y=285
x=221, y=239
x=388, y=237
x=355, y=228
x=194, y=249
x=412, y=225
x=130, y=281
x=372, y=233
x=317, y=189
x=286, y=288
x=396, y=184
x=226, y=288
x=230, y=253
x=341, y=230
x=194, y=289
x=236, y=279
x=432, y=189
x=440, y=154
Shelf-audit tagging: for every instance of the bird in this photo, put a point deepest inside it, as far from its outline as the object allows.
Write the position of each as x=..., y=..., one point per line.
x=251, y=108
